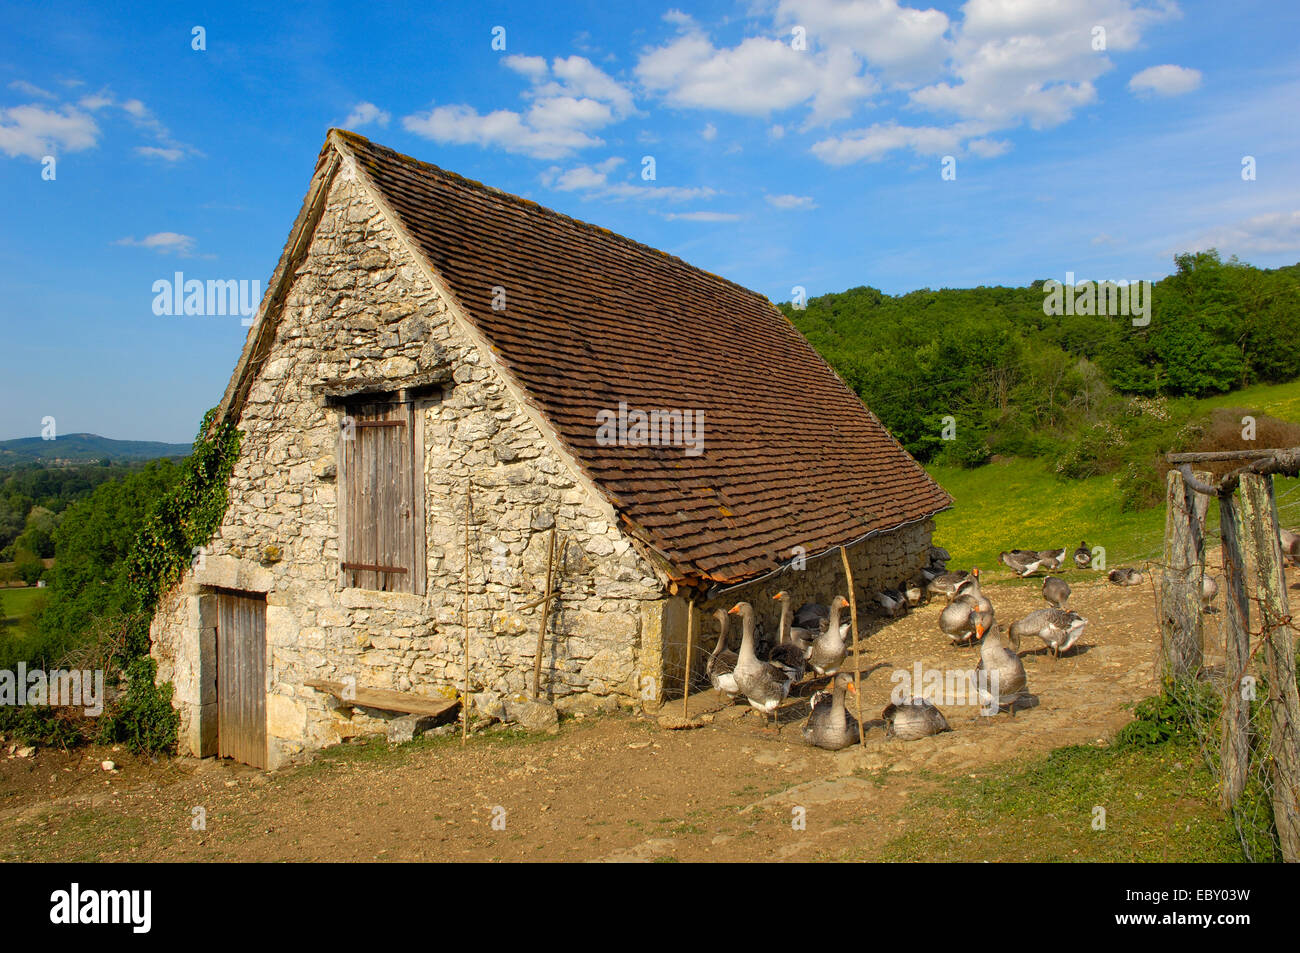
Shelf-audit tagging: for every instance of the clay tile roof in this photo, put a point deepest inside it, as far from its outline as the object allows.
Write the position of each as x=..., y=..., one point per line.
x=791, y=456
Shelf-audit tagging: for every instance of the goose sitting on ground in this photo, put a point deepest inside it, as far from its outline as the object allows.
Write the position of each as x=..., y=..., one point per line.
x=1058, y=628
x=830, y=725
x=945, y=584
x=914, y=591
x=791, y=649
x=1209, y=589
x=763, y=684
x=1022, y=561
x=892, y=602
x=829, y=648
x=999, y=679
x=722, y=662
x=1052, y=558
x=913, y=719
x=1083, y=556
x=1056, y=591
x=1127, y=576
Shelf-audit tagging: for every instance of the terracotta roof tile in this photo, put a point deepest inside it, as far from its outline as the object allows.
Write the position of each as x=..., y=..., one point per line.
x=791, y=456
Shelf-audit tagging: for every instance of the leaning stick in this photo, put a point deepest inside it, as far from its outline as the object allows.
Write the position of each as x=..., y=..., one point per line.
x=690, y=637
x=857, y=660
x=464, y=707
x=546, y=609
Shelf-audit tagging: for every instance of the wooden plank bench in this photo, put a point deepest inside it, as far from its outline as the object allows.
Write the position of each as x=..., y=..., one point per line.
x=384, y=699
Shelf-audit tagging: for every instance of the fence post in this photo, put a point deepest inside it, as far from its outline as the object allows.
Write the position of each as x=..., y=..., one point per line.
x=1259, y=509
x=1234, y=751
x=1180, y=584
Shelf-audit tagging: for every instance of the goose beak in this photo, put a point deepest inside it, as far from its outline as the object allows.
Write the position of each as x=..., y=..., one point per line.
x=853, y=687
x=778, y=597
x=734, y=610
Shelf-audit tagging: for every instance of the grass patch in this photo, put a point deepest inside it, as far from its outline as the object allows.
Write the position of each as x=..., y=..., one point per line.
x=1159, y=804
x=20, y=606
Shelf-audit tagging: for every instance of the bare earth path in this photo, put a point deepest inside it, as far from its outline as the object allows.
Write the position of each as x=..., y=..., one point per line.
x=610, y=788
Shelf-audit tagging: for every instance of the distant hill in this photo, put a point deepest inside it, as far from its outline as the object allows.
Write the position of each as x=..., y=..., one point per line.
x=85, y=448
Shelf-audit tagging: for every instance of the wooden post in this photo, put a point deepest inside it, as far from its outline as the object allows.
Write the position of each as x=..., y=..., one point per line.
x=857, y=660
x=690, y=639
x=1259, y=508
x=1180, y=586
x=546, y=613
x=464, y=705
x=1234, y=749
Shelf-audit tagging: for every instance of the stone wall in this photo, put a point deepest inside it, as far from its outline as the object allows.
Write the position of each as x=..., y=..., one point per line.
x=360, y=307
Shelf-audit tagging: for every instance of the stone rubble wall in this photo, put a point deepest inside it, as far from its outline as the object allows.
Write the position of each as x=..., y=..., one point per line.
x=360, y=307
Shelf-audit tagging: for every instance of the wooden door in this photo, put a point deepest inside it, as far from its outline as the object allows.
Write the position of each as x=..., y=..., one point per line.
x=241, y=677
x=377, y=500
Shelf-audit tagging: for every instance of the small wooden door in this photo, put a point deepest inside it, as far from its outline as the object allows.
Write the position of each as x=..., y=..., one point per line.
x=241, y=677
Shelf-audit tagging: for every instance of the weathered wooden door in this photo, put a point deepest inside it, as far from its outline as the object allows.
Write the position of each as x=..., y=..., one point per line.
x=378, y=503
x=241, y=677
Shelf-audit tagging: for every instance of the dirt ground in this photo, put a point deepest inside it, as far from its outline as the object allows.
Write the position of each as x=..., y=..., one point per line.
x=616, y=787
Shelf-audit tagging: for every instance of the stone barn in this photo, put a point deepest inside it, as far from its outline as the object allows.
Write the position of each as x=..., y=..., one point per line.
x=427, y=340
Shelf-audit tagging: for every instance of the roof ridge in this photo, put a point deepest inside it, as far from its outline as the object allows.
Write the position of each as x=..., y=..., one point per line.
x=354, y=138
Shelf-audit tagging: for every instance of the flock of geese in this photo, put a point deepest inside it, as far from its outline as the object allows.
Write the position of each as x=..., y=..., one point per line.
x=813, y=642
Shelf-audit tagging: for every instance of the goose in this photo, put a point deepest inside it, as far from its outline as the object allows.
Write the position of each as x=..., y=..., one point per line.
x=1052, y=558
x=892, y=602
x=809, y=615
x=1058, y=628
x=1056, y=591
x=763, y=684
x=969, y=607
x=830, y=725
x=1209, y=589
x=999, y=679
x=939, y=557
x=945, y=584
x=914, y=591
x=828, y=650
x=1126, y=576
x=791, y=656
x=1022, y=561
x=722, y=661
x=1290, y=545
x=913, y=719
x=1083, y=555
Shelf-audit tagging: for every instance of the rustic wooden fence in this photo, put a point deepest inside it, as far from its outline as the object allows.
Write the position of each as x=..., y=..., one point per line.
x=1259, y=720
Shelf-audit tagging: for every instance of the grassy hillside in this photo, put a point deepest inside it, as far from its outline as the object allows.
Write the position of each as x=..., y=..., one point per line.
x=1023, y=503
x=85, y=448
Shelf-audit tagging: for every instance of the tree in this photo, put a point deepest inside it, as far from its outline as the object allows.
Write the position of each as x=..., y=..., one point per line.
x=28, y=566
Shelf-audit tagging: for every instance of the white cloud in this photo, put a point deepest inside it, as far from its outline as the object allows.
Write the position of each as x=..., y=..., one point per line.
x=571, y=99
x=35, y=131
x=788, y=202
x=901, y=43
x=1166, y=80
x=364, y=114
x=1270, y=233
x=30, y=89
x=709, y=132
x=702, y=216
x=580, y=178
x=160, y=152
x=593, y=181
x=879, y=140
x=756, y=78
x=165, y=243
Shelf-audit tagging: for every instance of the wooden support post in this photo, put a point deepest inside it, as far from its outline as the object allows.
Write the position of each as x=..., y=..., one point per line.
x=857, y=659
x=1234, y=749
x=1259, y=509
x=464, y=708
x=1180, y=585
x=546, y=615
x=690, y=639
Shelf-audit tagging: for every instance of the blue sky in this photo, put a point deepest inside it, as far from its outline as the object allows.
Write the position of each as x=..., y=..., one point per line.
x=774, y=166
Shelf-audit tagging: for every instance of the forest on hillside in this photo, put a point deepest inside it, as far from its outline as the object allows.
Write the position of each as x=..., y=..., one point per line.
x=1092, y=393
